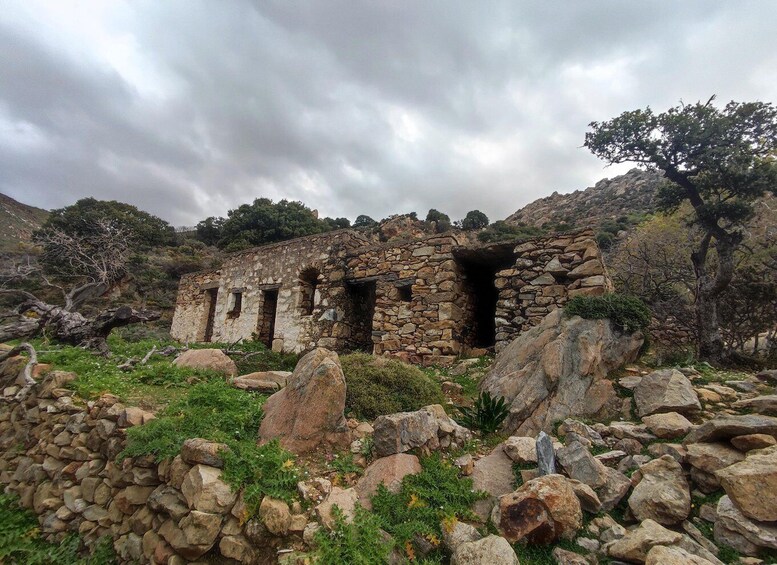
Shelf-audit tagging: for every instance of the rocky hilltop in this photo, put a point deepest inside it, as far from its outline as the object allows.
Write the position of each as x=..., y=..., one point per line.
x=608, y=199
x=17, y=222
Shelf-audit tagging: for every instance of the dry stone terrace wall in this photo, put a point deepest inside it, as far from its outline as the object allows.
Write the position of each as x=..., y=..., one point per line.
x=59, y=455
x=425, y=300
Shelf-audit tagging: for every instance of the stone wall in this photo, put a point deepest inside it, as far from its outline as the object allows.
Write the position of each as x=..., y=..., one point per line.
x=59, y=455
x=546, y=274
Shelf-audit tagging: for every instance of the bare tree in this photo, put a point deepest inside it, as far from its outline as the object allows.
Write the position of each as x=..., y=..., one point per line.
x=92, y=264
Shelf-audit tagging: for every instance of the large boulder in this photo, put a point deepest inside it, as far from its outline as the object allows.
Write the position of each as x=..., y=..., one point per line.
x=661, y=555
x=581, y=465
x=388, y=471
x=210, y=359
x=541, y=511
x=662, y=494
x=309, y=412
x=204, y=490
x=556, y=370
x=669, y=425
x=726, y=426
x=752, y=484
x=427, y=429
x=666, y=390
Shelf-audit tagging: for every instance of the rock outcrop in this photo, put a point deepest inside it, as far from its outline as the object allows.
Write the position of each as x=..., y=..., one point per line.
x=208, y=359
x=309, y=412
x=557, y=369
x=428, y=429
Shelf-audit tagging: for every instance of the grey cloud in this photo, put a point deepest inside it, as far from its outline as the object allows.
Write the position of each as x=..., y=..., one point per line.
x=376, y=108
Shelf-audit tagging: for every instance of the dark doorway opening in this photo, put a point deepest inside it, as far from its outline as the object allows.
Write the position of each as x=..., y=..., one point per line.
x=212, y=294
x=479, y=268
x=266, y=326
x=361, y=310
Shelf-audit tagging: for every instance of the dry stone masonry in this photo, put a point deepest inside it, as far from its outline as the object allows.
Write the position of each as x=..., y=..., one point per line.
x=425, y=300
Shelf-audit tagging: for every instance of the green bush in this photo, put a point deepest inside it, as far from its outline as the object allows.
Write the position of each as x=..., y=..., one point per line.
x=628, y=313
x=378, y=385
x=486, y=415
x=359, y=542
x=424, y=501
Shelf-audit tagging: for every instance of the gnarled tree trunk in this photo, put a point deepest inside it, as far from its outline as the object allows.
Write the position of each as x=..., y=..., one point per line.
x=35, y=317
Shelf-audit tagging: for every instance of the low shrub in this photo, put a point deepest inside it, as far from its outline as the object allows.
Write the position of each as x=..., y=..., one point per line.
x=378, y=385
x=424, y=501
x=628, y=313
x=360, y=541
x=486, y=415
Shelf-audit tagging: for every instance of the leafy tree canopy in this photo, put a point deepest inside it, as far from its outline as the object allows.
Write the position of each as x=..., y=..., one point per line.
x=363, y=221
x=83, y=218
x=266, y=221
x=474, y=220
x=442, y=221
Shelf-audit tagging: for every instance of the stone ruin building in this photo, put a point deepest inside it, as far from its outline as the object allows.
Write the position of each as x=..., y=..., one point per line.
x=426, y=300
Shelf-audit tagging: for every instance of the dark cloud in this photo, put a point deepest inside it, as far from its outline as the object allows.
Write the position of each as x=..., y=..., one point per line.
x=188, y=109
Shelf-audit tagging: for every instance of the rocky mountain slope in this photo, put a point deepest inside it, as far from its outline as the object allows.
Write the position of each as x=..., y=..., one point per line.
x=624, y=195
x=17, y=222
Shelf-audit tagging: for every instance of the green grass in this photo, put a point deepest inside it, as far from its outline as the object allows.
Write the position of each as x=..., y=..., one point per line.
x=377, y=386
x=542, y=554
x=215, y=411
x=360, y=542
x=158, y=381
x=20, y=541
x=628, y=313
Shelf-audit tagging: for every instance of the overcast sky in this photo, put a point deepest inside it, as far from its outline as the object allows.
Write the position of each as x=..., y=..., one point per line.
x=187, y=109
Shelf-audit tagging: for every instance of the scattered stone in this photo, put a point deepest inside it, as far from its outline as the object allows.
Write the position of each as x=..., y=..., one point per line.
x=491, y=550
x=676, y=450
x=564, y=557
x=731, y=518
x=546, y=455
x=521, y=449
x=388, y=471
x=666, y=390
x=629, y=446
x=635, y=545
x=457, y=533
x=556, y=370
x=753, y=441
x=589, y=501
x=661, y=555
x=428, y=429
x=209, y=359
x=581, y=429
x=465, y=463
x=314, y=490
x=581, y=465
x=308, y=413
x=662, y=494
x=669, y=425
x=541, y=511
x=610, y=457
x=752, y=484
x=614, y=489
x=706, y=458
x=726, y=426
x=631, y=430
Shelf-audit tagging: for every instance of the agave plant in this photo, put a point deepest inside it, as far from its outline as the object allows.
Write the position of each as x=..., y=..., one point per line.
x=486, y=415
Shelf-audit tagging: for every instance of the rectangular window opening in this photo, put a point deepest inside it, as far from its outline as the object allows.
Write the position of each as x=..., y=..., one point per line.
x=405, y=293
x=236, y=304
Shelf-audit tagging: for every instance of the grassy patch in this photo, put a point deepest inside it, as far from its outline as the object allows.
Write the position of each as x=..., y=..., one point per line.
x=215, y=411
x=360, y=541
x=20, y=541
x=542, y=554
x=424, y=501
x=377, y=385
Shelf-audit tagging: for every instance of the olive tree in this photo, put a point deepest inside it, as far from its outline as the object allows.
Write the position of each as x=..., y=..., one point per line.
x=720, y=160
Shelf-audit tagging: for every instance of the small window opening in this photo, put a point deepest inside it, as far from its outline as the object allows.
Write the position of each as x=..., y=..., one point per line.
x=308, y=284
x=236, y=304
x=405, y=293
